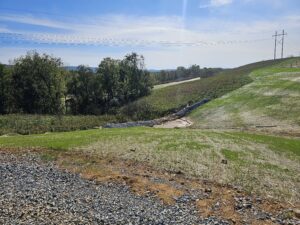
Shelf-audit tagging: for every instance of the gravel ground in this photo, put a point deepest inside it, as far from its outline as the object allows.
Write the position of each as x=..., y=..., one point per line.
x=32, y=192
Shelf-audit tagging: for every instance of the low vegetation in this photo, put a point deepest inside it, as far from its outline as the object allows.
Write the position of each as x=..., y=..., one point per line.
x=14, y=124
x=258, y=163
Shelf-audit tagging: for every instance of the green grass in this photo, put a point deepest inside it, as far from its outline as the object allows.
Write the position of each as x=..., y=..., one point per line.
x=278, y=144
x=231, y=155
x=36, y=124
x=271, y=99
x=169, y=99
x=262, y=164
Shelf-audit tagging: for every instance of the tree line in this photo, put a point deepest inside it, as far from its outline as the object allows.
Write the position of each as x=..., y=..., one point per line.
x=38, y=84
x=182, y=73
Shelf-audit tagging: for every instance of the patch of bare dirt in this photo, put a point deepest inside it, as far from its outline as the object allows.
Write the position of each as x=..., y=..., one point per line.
x=178, y=123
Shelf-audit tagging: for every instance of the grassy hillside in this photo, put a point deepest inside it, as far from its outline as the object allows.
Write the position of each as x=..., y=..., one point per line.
x=258, y=163
x=165, y=100
x=271, y=101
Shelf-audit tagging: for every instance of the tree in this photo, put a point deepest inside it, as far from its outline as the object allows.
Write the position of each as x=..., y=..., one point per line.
x=38, y=84
x=123, y=81
x=85, y=92
x=110, y=78
x=4, y=89
x=180, y=72
x=194, y=71
x=139, y=82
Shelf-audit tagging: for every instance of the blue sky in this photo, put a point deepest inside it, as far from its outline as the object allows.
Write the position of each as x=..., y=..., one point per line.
x=169, y=33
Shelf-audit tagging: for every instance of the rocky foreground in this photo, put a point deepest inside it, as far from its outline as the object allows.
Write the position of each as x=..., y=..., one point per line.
x=34, y=192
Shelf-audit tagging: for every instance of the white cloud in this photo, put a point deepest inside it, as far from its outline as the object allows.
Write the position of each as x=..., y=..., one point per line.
x=216, y=3
x=27, y=19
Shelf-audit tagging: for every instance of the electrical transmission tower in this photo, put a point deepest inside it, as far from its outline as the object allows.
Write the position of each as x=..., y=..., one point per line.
x=281, y=41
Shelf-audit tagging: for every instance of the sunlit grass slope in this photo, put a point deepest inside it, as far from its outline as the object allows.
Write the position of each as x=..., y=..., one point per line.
x=271, y=100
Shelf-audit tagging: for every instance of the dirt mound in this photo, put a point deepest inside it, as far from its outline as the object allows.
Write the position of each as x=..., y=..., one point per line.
x=179, y=123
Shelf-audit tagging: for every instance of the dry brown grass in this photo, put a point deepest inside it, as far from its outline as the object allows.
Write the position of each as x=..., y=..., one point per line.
x=113, y=170
x=257, y=169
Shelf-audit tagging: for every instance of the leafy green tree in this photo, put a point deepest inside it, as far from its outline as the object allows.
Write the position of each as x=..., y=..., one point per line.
x=194, y=71
x=138, y=78
x=4, y=89
x=110, y=78
x=2, y=94
x=84, y=91
x=38, y=84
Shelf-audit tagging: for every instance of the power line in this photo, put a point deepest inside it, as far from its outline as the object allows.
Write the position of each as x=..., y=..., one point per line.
x=94, y=41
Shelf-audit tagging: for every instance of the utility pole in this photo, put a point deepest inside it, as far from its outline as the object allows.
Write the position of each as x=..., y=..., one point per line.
x=275, y=44
x=280, y=41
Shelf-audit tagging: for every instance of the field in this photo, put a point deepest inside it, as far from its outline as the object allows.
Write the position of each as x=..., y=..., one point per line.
x=169, y=99
x=263, y=164
x=270, y=102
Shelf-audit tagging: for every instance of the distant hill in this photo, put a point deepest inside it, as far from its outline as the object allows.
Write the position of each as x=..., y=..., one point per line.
x=74, y=68
x=158, y=70
x=69, y=68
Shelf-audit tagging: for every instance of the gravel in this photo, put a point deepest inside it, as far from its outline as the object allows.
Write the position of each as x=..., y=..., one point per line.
x=32, y=192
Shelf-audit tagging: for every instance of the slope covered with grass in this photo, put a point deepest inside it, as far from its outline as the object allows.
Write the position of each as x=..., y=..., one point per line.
x=271, y=101
x=168, y=99
x=258, y=163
